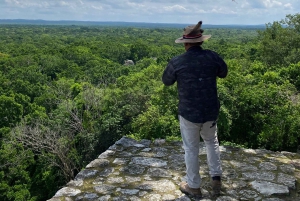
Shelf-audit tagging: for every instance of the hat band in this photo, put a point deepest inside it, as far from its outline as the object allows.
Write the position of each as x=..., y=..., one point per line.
x=191, y=37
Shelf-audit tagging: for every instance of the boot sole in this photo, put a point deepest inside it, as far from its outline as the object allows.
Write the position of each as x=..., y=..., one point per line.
x=190, y=194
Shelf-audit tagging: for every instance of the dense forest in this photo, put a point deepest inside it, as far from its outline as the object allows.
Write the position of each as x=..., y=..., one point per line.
x=66, y=95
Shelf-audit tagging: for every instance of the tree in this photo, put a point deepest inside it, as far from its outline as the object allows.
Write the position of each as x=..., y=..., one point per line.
x=15, y=180
x=280, y=44
x=11, y=112
x=51, y=140
x=139, y=50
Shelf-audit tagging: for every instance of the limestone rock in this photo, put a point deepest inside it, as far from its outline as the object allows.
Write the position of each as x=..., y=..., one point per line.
x=98, y=163
x=67, y=191
x=269, y=188
x=140, y=170
x=128, y=62
x=152, y=162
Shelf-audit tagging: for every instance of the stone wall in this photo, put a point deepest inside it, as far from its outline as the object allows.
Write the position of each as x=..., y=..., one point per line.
x=136, y=171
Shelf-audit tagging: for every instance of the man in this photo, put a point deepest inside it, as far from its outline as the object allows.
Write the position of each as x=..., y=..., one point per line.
x=196, y=73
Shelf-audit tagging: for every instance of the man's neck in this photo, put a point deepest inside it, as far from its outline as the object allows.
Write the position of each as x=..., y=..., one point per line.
x=191, y=47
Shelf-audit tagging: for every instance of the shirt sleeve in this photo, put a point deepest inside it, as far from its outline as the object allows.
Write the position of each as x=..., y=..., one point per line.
x=222, y=69
x=169, y=76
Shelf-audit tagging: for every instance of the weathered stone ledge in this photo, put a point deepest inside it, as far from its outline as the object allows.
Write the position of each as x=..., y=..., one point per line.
x=138, y=171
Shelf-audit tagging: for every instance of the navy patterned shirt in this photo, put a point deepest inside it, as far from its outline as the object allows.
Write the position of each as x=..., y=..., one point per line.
x=196, y=73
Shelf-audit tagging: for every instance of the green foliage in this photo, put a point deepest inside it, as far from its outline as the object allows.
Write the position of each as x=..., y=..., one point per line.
x=292, y=74
x=15, y=181
x=139, y=50
x=160, y=119
x=11, y=112
x=231, y=144
x=279, y=44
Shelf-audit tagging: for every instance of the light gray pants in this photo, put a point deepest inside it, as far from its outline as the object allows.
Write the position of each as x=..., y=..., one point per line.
x=190, y=133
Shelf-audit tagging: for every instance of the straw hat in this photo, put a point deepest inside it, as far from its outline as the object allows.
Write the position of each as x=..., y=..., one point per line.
x=193, y=34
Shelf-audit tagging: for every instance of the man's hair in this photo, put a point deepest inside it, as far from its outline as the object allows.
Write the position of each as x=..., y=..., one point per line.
x=196, y=44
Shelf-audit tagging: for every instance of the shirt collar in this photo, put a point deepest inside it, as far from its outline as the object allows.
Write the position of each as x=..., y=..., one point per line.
x=195, y=48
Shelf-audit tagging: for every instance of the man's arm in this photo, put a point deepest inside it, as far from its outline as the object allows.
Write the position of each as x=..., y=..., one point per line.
x=222, y=66
x=222, y=69
x=169, y=76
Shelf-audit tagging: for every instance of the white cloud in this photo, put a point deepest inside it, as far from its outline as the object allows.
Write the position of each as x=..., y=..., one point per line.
x=63, y=3
x=167, y=11
x=272, y=3
x=20, y=3
x=135, y=5
x=175, y=8
x=223, y=11
x=288, y=6
x=97, y=7
x=201, y=11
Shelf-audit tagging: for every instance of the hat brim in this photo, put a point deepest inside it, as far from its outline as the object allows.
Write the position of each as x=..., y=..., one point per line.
x=194, y=40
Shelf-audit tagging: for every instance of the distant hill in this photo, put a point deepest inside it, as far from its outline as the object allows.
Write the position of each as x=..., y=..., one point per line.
x=120, y=24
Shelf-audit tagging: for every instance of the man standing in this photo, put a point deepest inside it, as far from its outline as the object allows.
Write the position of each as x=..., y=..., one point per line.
x=196, y=73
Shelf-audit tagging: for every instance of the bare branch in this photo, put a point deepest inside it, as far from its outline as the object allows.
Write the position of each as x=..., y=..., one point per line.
x=54, y=138
x=43, y=139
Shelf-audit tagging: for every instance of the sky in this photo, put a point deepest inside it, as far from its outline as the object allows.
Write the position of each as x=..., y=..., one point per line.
x=218, y=12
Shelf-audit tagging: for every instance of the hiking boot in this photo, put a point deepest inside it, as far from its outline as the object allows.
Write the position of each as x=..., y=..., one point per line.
x=194, y=192
x=216, y=187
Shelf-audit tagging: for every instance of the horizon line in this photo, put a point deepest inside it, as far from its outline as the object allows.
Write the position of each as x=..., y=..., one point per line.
x=131, y=22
